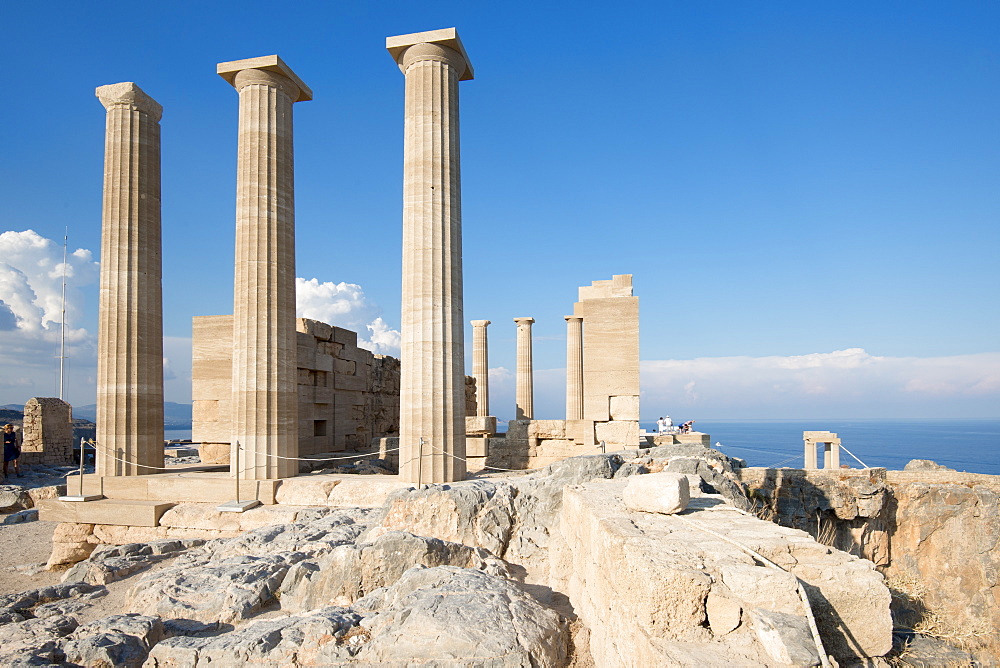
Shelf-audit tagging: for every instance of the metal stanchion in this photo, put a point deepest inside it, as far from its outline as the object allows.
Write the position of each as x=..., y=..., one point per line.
x=420, y=462
x=81, y=496
x=237, y=506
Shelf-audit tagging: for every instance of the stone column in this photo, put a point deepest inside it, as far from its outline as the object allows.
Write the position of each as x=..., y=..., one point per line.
x=130, y=316
x=524, y=393
x=265, y=389
x=432, y=356
x=481, y=367
x=574, y=367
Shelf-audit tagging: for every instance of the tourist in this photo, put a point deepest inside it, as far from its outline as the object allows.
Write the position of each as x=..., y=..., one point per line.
x=11, y=449
x=686, y=427
x=664, y=425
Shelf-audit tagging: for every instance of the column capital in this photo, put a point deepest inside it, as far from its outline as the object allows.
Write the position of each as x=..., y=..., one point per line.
x=524, y=321
x=443, y=44
x=128, y=94
x=480, y=323
x=271, y=69
x=573, y=318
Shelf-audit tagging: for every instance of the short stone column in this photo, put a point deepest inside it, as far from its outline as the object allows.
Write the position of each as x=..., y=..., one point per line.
x=130, y=314
x=432, y=348
x=47, y=432
x=265, y=382
x=831, y=449
x=524, y=392
x=574, y=367
x=481, y=367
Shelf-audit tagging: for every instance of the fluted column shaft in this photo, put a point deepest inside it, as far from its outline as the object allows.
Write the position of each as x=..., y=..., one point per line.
x=524, y=393
x=481, y=367
x=432, y=384
x=574, y=367
x=130, y=317
x=265, y=389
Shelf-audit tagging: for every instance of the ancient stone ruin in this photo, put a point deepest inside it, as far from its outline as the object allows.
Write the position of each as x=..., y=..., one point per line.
x=559, y=542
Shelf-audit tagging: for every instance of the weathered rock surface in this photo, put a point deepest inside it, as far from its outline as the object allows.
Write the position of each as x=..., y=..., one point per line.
x=119, y=640
x=34, y=642
x=110, y=563
x=18, y=607
x=224, y=581
x=444, y=616
x=449, y=616
x=351, y=571
x=926, y=525
x=685, y=583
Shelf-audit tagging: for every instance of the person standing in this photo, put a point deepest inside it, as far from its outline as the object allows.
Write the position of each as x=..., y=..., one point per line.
x=11, y=449
x=664, y=424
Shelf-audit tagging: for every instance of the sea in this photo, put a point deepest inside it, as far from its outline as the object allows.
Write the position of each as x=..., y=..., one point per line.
x=971, y=445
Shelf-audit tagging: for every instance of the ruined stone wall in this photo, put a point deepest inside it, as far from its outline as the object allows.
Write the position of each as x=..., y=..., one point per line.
x=347, y=395
x=611, y=359
x=935, y=535
x=47, y=432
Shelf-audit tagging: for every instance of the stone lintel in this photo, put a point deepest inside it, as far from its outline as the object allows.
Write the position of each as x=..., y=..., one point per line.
x=397, y=46
x=274, y=63
x=127, y=92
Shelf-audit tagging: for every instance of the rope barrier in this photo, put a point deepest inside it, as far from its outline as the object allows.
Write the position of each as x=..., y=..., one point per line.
x=855, y=457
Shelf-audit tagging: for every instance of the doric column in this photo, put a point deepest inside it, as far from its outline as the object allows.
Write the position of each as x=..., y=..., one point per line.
x=524, y=394
x=481, y=367
x=432, y=384
x=574, y=367
x=130, y=329
x=265, y=390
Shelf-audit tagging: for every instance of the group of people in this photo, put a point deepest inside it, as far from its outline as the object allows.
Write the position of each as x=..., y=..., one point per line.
x=666, y=426
x=11, y=449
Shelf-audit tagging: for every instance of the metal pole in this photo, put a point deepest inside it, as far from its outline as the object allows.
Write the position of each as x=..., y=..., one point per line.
x=420, y=460
x=237, y=469
x=83, y=443
x=62, y=327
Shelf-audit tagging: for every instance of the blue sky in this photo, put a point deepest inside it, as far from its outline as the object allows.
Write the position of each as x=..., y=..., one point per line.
x=806, y=193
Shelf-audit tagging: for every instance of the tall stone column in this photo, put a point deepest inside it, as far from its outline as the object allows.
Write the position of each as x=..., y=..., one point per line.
x=574, y=367
x=432, y=383
x=130, y=317
x=265, y=389
x=481, y=367
x=524, y=392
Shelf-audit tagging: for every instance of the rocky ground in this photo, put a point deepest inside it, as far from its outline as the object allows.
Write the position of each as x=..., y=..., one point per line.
x=339, y=586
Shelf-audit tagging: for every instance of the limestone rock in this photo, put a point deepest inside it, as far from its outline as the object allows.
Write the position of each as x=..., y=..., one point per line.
x=321, y=638
x=119, y=640
x=657, y=493
x=349, y=572
x=223, y=591
x=34, y=641
x=17, y=607
x=14, y=498
x=450, y=616
x=110, y=563
x=925, y=465
x=786, y=637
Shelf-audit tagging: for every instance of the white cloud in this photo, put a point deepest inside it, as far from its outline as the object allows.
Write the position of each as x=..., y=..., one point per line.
x=846, y=383
x=31, y=273
x=345, y=305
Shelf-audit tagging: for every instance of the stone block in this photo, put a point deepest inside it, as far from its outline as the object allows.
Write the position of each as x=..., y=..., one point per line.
x=479, y=425
x=105, y=511
x=547, y=429
x=693, y=438
x=666, y=493
x=344, y=337
x=618, y=433
x=214, y=453
x=581, y=431
x=476, y=446
x=624, y=407
x=315, y=328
